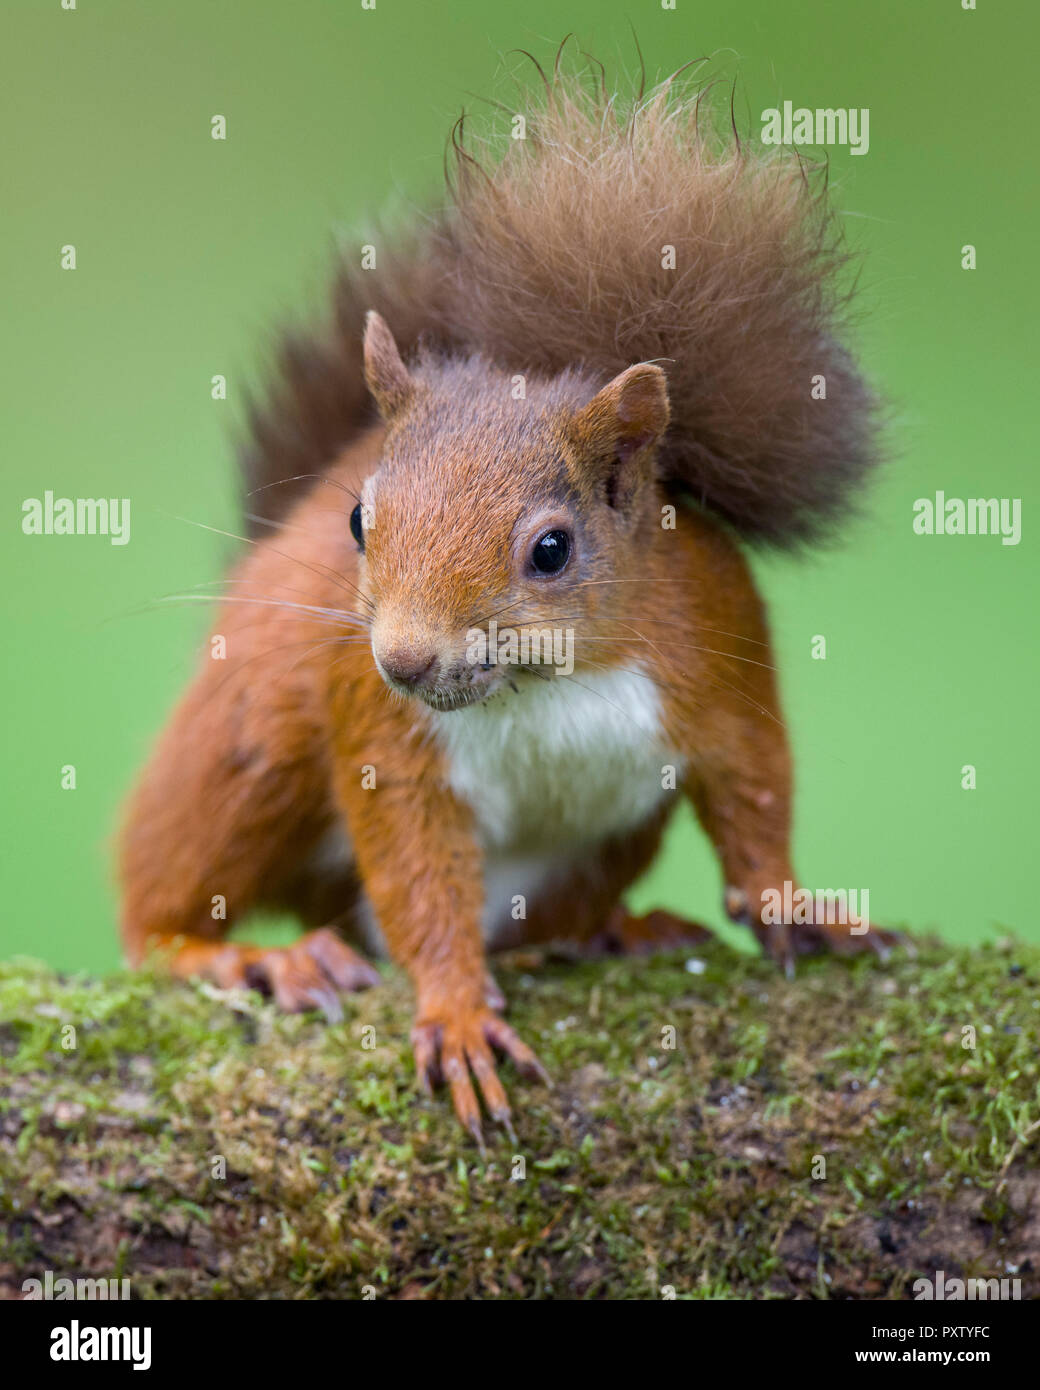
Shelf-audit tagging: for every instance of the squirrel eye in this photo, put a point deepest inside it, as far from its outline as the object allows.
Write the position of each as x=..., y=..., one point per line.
x=355, y=526
x=551, y=552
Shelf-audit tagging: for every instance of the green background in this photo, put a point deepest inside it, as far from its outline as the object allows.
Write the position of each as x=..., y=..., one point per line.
x=190, y=249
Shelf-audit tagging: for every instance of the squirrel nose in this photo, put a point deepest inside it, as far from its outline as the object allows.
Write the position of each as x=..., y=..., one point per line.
x=407, y=667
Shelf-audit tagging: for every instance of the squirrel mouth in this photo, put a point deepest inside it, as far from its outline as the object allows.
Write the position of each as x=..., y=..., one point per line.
x=447, y=693
x=444, y=700
x=462, y=697
x=462, y=694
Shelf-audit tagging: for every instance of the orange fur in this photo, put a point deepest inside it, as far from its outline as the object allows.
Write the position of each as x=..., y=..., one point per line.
x=313, y=770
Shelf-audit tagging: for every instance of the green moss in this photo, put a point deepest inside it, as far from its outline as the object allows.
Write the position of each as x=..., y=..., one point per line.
x=203, y=1145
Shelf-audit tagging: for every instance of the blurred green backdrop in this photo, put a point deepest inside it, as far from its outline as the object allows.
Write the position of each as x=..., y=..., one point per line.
x=189, y=249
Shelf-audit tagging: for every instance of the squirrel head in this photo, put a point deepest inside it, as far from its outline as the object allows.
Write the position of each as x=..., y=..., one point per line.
x=505, y=519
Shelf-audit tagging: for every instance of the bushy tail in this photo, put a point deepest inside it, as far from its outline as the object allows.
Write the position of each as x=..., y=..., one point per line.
x=612, y=235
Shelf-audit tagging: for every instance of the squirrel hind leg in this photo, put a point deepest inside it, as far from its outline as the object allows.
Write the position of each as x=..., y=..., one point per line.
x=628, y=935
x=309, y=974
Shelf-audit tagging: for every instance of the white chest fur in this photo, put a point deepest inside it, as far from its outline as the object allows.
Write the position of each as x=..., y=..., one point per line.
x=550, y=769
x=558, y=764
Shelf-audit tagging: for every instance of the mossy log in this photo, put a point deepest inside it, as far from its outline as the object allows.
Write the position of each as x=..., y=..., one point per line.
x=715, y=1131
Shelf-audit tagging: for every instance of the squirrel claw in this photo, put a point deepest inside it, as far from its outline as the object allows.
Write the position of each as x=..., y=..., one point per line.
x=327, y=1000
x=505, y=1120
x=883, y=941
x=500, y=1035
x=309, y=974
x=425, y=1042
x=785, y=943
x=458, y=1050
x=478, y=1138
x=493, y=996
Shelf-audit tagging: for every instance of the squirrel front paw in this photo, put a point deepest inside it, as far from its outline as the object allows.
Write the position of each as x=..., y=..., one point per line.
x=455, y=1046
x=786, y=940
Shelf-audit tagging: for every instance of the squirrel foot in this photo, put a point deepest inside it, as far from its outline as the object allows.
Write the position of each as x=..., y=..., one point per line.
x=458, y=1048
x=493, y=996
x=785, y=943
x=306, y=975
x=625, y=935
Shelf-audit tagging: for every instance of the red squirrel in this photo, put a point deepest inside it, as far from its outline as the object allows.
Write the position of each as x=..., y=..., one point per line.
x=557, y=408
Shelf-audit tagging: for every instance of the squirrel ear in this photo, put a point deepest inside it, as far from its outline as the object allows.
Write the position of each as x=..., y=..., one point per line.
x=629, y=415
x=385, y=374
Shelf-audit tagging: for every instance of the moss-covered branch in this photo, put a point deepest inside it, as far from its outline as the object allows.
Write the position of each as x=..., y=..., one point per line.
x=830, y=1136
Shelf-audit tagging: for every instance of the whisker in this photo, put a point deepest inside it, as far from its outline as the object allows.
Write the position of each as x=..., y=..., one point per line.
x=488, y=616
x=742, y=695
x=629, y=671
x=239, y=666
x=646, y=639
x=689, y=646
x=340, y=580
x=721, y=683
x=150, y=606
x=318, y=646
x=299, y=477
x=333, y=613
x=588, y=583
x=283, y=588
x=278, y=525
x=230, y=579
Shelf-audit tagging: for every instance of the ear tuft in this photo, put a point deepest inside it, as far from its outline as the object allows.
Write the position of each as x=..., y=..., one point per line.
x=385, y=374
x=628, y=415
